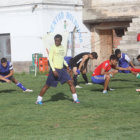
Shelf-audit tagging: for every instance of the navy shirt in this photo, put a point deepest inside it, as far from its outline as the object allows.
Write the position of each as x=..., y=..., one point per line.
x=6, y=70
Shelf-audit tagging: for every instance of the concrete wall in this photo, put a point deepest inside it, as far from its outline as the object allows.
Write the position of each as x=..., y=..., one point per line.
x=27, y=28
x=110, y=10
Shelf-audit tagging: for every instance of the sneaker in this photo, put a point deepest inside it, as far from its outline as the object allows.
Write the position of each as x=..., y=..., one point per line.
x=138, y=90
x=138, y=76
x=77, y=101
x=39, y=103
x=111, y=89
x=88, y=83
x=28, y=90
x=78, y=86
x=104, y=91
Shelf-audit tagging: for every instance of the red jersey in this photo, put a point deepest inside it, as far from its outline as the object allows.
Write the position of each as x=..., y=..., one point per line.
x=105, y=65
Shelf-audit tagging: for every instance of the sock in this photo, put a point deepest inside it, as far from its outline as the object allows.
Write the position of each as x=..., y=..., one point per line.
x=39, y=98
x=75, y=80
x=85, y=78
x=74, y=95
x=21, y=86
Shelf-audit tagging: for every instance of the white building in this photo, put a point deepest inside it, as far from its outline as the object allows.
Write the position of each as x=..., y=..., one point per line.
x=23, y=24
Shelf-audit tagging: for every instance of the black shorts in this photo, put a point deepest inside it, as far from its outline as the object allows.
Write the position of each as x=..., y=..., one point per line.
x=74, y=64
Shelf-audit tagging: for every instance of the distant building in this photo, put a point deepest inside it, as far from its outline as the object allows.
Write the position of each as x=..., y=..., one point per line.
x=113, y=24
x=24, y=23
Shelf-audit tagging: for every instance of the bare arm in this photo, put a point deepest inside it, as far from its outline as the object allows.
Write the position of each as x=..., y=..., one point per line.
x=10, y=74
x=132, y=65
x=120, y=68
x=83, y=61
x=4, y=79
x=103, y=72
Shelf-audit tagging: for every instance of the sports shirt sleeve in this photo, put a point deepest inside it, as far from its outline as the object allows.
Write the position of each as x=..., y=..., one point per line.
x=10, y=66
x=127, y=58
x=51, y=53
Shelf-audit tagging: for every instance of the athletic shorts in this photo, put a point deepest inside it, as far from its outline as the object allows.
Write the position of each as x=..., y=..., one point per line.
x=73, y=64
x=98, y=79
x=9, y=78
x=63, y=77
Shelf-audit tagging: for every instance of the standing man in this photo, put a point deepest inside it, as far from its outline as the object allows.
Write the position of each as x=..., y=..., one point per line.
x=6, y=74
x=102, y=73
x=57, y=72
x=79, y=64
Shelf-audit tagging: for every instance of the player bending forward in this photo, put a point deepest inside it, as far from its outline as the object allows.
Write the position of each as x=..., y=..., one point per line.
x=78, y=65
x=102, y=75
x=6, y=74
x=57, y=72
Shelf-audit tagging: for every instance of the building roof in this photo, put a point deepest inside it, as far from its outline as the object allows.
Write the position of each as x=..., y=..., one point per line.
x=26, y=2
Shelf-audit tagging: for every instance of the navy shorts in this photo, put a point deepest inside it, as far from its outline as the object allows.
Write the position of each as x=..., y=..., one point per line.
x=98, y=79
x=63, y=77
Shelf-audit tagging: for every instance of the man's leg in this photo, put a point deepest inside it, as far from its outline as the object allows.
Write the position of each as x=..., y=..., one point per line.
x=106, y=83
x=20, y=85
x=75, y=77
x=42, y=92
x=84, y=75
x=73, y=90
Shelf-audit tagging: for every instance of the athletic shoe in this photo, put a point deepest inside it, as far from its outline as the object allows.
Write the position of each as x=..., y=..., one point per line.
x=88, y=83
x=138, y=76
x=28, y=90
x=104, y=91
x=39, y=103
x=78, y=86
x=111, y=89
x=138, y=90
x=77, y=101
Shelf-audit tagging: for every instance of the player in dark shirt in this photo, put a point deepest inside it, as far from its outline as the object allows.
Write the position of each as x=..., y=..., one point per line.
x=79, y=64
x=6, y=74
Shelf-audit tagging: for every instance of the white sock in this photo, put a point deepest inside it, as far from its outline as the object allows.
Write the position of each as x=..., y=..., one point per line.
x=137, y=75
x=39, y=98
x=74, y=96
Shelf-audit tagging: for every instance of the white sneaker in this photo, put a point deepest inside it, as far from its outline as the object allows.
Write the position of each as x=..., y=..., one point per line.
x=104, y=91
x=78, y=86
x=88, y=83
x=111, y=89
x=28, y=90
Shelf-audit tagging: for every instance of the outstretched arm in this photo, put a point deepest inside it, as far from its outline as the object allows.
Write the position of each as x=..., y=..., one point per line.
x=4, y=79
x=10, y=74
x=120, y=68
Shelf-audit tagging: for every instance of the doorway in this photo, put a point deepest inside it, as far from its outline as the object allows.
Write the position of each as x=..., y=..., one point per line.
x=5, y=46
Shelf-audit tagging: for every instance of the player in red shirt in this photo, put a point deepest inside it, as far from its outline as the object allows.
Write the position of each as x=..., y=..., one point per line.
x=102, y=73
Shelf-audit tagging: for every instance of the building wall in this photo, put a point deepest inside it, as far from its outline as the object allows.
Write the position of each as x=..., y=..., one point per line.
x=112, y=2
x=104, y=39
x=27, y=27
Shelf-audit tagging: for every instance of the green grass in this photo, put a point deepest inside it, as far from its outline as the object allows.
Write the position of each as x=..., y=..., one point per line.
x=115, y=116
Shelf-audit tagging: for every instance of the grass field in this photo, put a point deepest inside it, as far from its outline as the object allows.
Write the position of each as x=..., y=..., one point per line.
x=115, y=116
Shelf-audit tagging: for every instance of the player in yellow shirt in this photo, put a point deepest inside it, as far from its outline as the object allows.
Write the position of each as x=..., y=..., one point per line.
x=57, y=72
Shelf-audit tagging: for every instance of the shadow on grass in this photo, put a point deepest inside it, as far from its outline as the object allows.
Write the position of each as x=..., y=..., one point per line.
x=101, y=89
x=7, y=91
x=122, y=80
x=58, y=96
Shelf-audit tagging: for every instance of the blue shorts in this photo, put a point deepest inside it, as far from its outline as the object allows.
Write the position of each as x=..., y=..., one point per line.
x=63, y=77
x=98, y=79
